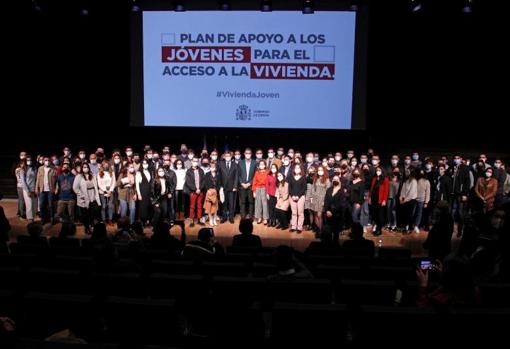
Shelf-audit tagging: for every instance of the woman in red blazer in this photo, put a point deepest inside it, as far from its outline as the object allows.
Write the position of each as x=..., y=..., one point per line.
x=378, y=199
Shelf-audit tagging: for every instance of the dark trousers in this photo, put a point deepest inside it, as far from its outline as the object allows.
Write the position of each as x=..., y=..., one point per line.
x=408, y=209
x=271, y=207
x=88, y=215
x=46, y=205
x=378, y=213
x=459, y=212
x=145, y=206
x=246, y=195
x=229, y=206
x=170, y=208
x=281, y=215
x=160, y=211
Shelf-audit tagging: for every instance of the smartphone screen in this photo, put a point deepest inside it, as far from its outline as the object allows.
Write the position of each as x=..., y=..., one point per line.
x=426, y=265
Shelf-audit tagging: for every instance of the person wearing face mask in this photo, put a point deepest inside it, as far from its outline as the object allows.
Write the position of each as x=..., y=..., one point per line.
x=126, y=187
x=144, y=183
x=280, y=153
x=461, y=187
x=188, y=162
x=422, y=198
x=357, y=188
x=229, y=182
x=66, y=196
x=429, y=174
x=290, y=153
x=486, y=189
x=171, y=178
x=22, y=212
x=408, y=196
x=237, y=156
x=320, y=185
x=363, y=159
x=129, y=154
x=28, y=178
x=214, y=156
x=282, y=201
x=415, y=160
x=183, y=153
x=66, y=154
x=180, y=199
x=309, y=161
x=353, y=163
x=45, y=188
x=336, y=203
x=87, y=197
x=93, y=163
x=378, y=199
x=212, y=187
x=338, y=157
x=247, y=168
x=286, y=168
x=393, y=199
x=259, y=155
x=106, y=184
x=394, y=164
x=310, y=174
x=194, y=185
x=271, y=195
x=443, y=186
x=297, y=191
x=160, y=193
x=350, y=154
x=272, y=159
x=259, y=192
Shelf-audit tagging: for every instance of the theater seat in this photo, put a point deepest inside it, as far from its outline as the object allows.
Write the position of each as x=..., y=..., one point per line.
x=355, y=292
x=315, y=291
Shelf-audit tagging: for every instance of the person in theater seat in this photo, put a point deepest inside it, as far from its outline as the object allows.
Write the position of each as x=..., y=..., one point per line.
x=204, y=248
x=282, y=201
x=358, y=243
x=259, y=192
x=297, y=191
x=194, y=186
x=288, y=266
x=246, y=237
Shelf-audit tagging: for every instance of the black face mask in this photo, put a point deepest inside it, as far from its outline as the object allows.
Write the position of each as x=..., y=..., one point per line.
x=66, y=171
x=336, y=183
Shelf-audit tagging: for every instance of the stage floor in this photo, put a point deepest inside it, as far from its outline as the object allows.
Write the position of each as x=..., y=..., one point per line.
x=271, y=237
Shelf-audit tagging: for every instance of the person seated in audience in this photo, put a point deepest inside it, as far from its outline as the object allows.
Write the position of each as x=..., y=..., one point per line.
x=326, y=245
x=438, y=241
x=288, y=266
x=246, y=238
x=7, y=333
x=67, y=231
x=103, y=250
x=34, y=237
x=124, y=232
x=358, y=243
x=163, y=240
x=457, y=286
x=204, y=248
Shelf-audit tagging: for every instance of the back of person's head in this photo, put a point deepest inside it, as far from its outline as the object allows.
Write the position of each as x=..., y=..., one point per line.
x=356, y=231
x=161, y=230
x=246, y=226
x=205, y=235
x=137, y=227
x=99, y=231
x=283, y=257
x=68, y=229
x=34, y=229
x=123, y=223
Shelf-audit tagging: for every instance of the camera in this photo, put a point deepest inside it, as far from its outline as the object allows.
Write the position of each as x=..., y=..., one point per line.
x=426, y=264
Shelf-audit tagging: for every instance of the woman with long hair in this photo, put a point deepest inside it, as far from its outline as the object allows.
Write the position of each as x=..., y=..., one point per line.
x=320, y=185
x=259, y=192
x=87, y=196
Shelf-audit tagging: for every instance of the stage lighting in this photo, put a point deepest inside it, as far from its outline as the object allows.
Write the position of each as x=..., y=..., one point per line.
x=179, y=6
x=265, y=6
x=468, y=6
x=36, y=7
x=307, y=7
x=84, y=12
x=416, y=6
x=224, y=5
x=135, y=7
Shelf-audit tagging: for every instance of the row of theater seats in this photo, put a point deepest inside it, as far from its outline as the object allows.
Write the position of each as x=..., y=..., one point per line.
x=165, y=322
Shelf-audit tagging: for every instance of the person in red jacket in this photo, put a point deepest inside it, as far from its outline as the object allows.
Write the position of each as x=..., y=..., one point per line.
x=378, y=198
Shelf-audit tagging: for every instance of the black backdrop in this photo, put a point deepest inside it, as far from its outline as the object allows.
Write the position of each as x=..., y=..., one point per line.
x=437, y=80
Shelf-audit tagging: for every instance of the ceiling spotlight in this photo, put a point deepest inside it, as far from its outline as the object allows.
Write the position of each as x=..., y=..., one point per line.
x=307, y=7
x=179, y=6
x=135, y=7
x=84, y=12
x=224, y=5
x=468, y=6
x=265, y=6
x=416, y=6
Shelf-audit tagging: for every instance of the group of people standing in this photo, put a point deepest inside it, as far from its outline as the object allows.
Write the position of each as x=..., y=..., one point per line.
x=285, y=190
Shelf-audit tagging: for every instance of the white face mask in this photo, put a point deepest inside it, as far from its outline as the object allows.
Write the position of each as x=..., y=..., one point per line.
x=379, y=173
x=259, y=156
x=149, y=156
x=29, y=162
x=247, y=156
x=131, y=170
x=179, y=166
x=191, y=156
x=309, y=160
x=116, y=161
x=161, y=173
x=22, y=157
x=394, y=162
x=129, y=153
x=280, y=178
x=297, y=171
x=270, y=155
x=262, y=167
x=228, y=158
x=214, y=157
x=349, y=155
x=85, y=170
x=375, y=162
x=338, y=158
x=280, y=152
x=194, y=163
x=320, y=173
x=497, y=165
x=363, y=161
x=237, y=156
x=286, y=162
x=66, y=152
x=428, y=166
x=291, y=155
x=93, y=161
x=407, y=161
x=82, y=156
x=273, y=170
x=354, y=163
x=145, y=166
x=325, y=164
x=488, y=174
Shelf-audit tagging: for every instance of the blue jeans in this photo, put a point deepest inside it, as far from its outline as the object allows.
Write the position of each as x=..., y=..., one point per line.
x=356, y=212
x=392, y=213
x=365, y=214
x=459, y=211
x=132, y=209
x=418, y=213
x=46, y=205
x=106, y=207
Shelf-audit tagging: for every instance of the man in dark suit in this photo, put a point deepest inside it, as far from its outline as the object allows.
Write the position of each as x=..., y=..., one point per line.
x=194, y=185
x=286, y=167
x=461, y=187
x=246, y=170
x=229, y=181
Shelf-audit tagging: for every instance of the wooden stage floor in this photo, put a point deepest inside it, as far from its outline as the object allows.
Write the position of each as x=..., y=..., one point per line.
x=270, y=237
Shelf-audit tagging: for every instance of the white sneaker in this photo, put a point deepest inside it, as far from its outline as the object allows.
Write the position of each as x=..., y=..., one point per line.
x=416, y=230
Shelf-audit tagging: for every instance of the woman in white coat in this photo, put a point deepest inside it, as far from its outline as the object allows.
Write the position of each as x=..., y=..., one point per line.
x=87, y=196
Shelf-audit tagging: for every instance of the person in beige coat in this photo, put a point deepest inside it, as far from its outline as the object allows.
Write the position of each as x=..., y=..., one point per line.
x=87, y=196
x=282, y=202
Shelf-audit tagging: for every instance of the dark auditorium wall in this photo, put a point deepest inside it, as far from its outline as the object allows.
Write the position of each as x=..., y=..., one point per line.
x=430, y=76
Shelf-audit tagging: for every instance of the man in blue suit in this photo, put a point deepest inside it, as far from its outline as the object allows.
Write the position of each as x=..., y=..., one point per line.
x=247, y=167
